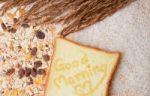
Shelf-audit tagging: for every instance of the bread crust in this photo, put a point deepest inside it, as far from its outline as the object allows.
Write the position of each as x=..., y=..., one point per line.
x=88, y=47
x=112, y=74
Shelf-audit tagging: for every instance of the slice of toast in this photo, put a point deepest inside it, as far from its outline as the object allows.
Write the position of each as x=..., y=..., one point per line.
x=79, y=70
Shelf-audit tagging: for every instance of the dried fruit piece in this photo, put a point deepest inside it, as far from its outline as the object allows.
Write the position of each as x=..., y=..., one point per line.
x=30, y=81
x=39, y=34
x=46, y=45
x=10, y=71
x=37, y=64
x=27, y=71
x=12, y=30
x=21, y=73
x=33, y=51
x=15, y=20
x=34, y=72
x=18, y=65
x=25, y=25
x=3, y=26
x=19, y=47
x=46, y=57
x=41, y=72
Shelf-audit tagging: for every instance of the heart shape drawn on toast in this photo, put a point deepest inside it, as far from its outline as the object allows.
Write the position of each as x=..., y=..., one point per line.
x=87, y=87
x=83, y=88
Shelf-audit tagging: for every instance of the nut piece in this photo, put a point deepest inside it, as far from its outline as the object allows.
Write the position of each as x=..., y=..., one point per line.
x=40, y=35
x=37, y=64
x=10, y=71
x=21, y=73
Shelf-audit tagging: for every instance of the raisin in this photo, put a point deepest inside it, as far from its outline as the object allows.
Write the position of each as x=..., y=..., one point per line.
x=40, y=34
x=34, y=72
x=41, y=72
x=3, y=26
x=30, y=81
x=21, y=73
x=25, y=25
x=19, y=47
x=15, y=20
x=9, y=27
x=33, y=51
x=12, y=30
x=27, y=71
x=37, y=64
x=46, y=57
x=18, y=65
x=30, y=78
x=10, y=71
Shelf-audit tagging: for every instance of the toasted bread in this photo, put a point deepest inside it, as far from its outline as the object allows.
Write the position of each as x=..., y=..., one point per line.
x=79, y=70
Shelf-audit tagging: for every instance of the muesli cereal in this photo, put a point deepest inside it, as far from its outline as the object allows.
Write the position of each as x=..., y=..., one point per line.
x=25, y=56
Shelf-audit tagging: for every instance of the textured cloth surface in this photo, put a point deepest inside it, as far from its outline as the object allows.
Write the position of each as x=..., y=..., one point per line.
x=127, y=31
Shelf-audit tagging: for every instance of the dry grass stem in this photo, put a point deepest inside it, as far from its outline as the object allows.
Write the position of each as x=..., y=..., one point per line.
x=74, y=14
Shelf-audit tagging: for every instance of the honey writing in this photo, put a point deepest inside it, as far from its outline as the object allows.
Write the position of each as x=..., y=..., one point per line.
x=60, y=65
x=82, y=77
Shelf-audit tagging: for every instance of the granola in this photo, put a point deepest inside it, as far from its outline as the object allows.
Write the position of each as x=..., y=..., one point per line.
x=25, y=55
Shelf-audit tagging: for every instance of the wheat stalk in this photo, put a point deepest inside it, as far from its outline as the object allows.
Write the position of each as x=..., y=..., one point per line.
x=74, y=14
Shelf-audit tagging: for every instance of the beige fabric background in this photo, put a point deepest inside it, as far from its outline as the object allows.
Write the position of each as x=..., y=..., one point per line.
x=127, y=31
